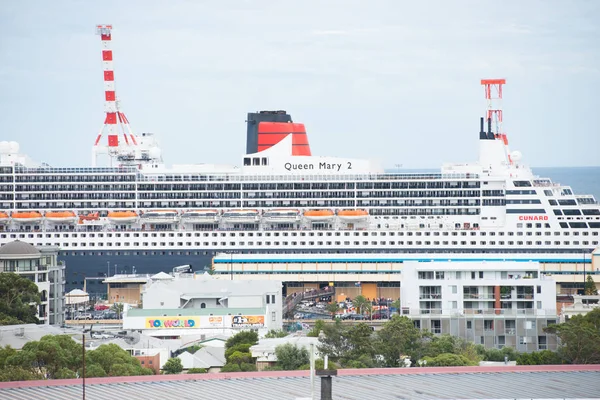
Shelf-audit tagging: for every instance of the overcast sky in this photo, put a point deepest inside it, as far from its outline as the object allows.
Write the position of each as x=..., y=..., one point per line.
x=391, y=80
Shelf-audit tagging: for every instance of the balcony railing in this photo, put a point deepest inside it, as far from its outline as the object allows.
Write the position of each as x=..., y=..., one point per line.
x=430, y=296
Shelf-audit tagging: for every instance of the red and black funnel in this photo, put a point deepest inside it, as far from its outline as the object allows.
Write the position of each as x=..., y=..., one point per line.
x=267, y=128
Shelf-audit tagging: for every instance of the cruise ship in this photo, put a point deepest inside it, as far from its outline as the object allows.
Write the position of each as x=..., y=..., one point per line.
x=141, y=216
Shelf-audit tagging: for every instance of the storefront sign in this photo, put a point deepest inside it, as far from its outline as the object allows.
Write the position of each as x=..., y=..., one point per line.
x=215, y=321
x=171, y=322
x=247, y=321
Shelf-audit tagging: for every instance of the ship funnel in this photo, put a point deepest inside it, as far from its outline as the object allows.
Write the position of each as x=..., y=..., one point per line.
x=490, y=135
x=482, y=134
x=267, y=128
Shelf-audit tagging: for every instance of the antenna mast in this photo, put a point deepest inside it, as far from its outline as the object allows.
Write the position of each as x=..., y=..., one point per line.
x=124, y=150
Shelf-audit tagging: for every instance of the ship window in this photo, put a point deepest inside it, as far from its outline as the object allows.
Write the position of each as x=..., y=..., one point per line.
x=256, y=161
x=264, y=161
x=247, y=161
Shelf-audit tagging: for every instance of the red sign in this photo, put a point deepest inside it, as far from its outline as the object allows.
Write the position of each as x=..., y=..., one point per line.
x=533, y=218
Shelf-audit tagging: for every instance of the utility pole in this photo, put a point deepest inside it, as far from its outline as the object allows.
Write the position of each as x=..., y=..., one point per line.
x=84, y=365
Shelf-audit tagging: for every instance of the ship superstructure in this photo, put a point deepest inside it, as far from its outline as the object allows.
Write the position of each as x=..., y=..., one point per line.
x=282, y=199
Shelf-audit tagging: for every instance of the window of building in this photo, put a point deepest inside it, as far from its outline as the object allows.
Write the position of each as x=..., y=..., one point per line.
x=203, y=305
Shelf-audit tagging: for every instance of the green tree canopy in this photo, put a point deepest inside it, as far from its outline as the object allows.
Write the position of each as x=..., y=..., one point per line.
x=173, y=366
x=399, y=337
x=114, y=361
x=48, y=355
x=580, y=338
x=590, y=287
x=291, y=357
x=275, y=334
x=250, y=337
x=16, y=297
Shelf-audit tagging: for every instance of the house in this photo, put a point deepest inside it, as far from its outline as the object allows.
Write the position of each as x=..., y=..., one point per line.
x=211, y=359
x=264, y=351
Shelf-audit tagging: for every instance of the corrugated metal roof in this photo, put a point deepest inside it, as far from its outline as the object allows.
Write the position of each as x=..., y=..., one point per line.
x=473, y=385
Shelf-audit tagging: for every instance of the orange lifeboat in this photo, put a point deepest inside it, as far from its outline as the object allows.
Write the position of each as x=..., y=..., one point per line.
x=353, y=214
x=26, y=217
x=4, y=217
x=319, y=215
x=122, y=216
x=61, y=216
x=89, y=217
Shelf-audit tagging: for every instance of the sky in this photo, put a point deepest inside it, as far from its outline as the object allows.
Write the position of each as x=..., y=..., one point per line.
x=396, y=81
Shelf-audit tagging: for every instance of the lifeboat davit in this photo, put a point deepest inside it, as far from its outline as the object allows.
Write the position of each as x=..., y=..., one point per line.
x=27, y=217
x=160, y=216
x=319, y=215
x=4, y=218
x=282, y=215
x=353, y=215
x=61, y=216
x=122, y=216
x=243, y=216
x=200, y=216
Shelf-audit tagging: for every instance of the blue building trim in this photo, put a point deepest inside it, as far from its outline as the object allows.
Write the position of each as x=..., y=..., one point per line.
x=387, y=260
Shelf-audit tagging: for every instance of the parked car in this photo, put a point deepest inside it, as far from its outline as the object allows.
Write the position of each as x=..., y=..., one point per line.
x=100, y=336
x=101, y=307
x=83, y=316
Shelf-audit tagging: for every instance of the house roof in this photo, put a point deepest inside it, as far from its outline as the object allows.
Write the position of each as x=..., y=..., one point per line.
x=206, y=357
x=549, y=381
x=16, y=336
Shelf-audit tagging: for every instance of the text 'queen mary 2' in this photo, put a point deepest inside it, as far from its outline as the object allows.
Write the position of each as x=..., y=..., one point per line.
x=282, y=199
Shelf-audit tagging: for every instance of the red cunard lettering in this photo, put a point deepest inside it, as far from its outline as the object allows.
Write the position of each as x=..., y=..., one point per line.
x=533, y=218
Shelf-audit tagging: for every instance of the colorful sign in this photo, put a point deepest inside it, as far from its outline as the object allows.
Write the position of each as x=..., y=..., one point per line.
x=171, y=322
x=533, y=218
x=247, y=321
x=215, y=321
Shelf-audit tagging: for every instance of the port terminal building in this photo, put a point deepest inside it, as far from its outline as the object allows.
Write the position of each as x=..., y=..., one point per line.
x=379, y=275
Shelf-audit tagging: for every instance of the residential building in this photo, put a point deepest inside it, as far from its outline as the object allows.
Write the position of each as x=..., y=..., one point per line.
x=40, y=265
x=581, y=306
x=496, y=304
x=211, y=359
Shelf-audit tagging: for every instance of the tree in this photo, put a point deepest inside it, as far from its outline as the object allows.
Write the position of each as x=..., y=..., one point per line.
x=237, y=352
x=291, y=357
x=275, y=334
x=117, y=308
x=448, y=360
x=250, y=337
x=448, y=344
x=18, y=297
x=114, y=361
x=396, y=304
x=399, y=337
x=361, y=304
x=48, y=355
x=590, y=287
x=197, y=371
x=332, y=308
x=334, y=341
x=544, y=357
x=173, y=366
x=580, y=338
x=316, y=330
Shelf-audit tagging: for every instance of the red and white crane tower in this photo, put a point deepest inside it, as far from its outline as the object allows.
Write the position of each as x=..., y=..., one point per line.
x=115, y=123
x=493, y=96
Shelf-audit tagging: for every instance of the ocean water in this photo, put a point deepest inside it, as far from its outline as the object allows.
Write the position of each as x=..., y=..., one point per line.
x=583, y=180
